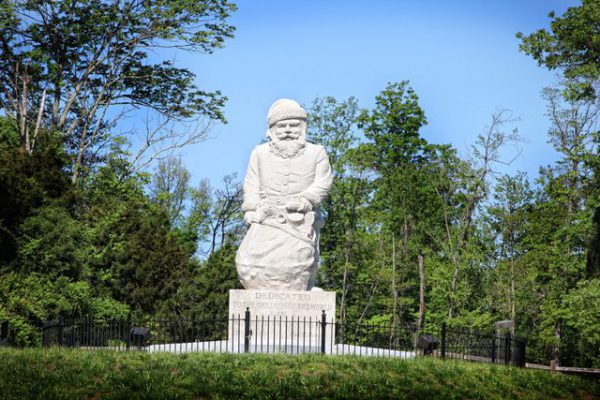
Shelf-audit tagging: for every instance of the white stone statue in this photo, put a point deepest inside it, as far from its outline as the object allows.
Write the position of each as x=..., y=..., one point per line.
x=287, y=179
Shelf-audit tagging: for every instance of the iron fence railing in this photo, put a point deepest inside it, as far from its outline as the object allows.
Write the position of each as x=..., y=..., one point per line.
x=245, y=333
x=474, y=345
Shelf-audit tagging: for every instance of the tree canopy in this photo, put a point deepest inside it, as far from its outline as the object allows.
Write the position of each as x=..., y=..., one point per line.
x=77, y=67
x=572, y=44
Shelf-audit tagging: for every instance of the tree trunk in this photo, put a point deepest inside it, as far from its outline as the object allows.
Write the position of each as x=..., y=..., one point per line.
x=344, y=291
x=394, y=291
x=38, y=122
x=421, y=318
x=453, y=286
x=513, y=310
x=22, y=106
x=556, y=347
x=593, y=256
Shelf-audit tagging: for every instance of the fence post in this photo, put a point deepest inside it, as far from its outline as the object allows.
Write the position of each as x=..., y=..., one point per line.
x=61, y=323
x=518, y=353
x=524, y=352
x=443, y=340
x=247, y=330
x=507, y=351
x=193, y=328
x=128, y=332
x=323, y=331
x=494, y=349
x=4, y=330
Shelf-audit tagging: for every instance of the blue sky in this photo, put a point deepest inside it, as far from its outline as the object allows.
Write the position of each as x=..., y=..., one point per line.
x=461, y=57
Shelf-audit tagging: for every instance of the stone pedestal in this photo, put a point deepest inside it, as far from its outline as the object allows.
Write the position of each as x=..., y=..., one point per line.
x=281, y=321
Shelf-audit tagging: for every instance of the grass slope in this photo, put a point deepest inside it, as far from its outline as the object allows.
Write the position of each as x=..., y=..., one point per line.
x=73, y=374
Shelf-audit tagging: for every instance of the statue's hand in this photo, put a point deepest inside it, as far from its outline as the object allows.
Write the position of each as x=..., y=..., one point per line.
x=298, y=204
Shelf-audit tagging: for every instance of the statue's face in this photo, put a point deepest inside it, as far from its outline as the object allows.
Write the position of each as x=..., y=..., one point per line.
x=288, y=129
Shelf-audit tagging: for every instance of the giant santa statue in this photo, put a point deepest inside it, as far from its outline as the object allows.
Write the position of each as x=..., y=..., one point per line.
x=287, y=179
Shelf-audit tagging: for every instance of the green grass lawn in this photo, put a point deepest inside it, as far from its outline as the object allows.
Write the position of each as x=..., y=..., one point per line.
x=79, y=374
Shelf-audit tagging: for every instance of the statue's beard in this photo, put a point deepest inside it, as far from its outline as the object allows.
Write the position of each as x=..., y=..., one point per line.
x=288, y=148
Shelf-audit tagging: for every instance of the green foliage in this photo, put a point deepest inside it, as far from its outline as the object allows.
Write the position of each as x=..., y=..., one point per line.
x=572, y=45
x=147, y=264
x=508, y=218
x=111, y=375
x=134, y=256
x=331, y=124
x=170, y=187
x=105, y=32
x=412, y=188
x=30, y=299
x=9, y=134
x=394, y=125
x=86, y=63
x=580, y=310
x=26, y=183
x=593, y=259
x=54, y=244
x=206, y=295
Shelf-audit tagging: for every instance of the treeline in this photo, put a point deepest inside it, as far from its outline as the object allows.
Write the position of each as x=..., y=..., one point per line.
x=405, y=214
x=414, y=233
x=105, y=247
x=83, y=229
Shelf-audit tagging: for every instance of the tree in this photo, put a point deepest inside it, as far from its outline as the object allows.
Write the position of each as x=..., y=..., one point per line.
x=572, y=45
x=54, y=244
x=170, y=187
x=206, y=295
x=580, y=312
x=486, y=154
x=573, y=134
x=149, y=265
x=565, y=212
x=404, y=209
x=332, y=124
x=27, y=183
x=571, y=188
x=217, y=213
x=137, y=258
x=77, y=67
x=507, y=217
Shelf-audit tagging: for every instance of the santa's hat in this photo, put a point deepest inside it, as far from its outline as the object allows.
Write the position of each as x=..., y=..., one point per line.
x=285, y=109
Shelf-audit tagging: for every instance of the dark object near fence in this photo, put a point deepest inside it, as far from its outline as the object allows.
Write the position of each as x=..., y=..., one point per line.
x=427, y=343
x=473, y=345
x=70, y=336
x=518, y=352
x=50, y=333
x=4, y=333
x=139, y=336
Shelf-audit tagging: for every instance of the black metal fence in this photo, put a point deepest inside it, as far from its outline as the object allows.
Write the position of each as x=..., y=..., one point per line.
x=264, y=334
x=474, y=345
